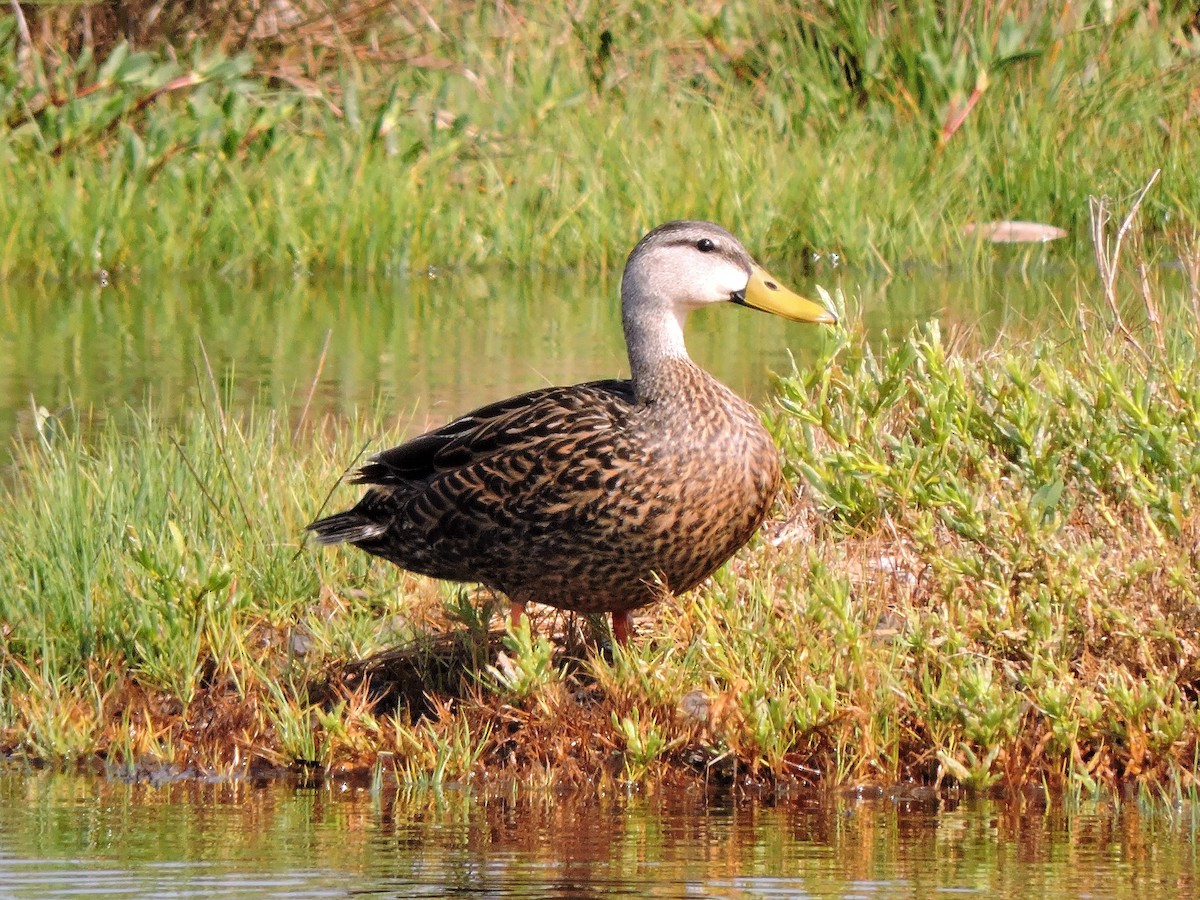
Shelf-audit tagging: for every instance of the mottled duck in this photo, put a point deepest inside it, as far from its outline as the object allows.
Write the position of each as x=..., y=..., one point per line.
x=599, y=496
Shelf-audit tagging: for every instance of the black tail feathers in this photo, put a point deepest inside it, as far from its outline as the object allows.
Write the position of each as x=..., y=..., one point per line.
x=349, y=526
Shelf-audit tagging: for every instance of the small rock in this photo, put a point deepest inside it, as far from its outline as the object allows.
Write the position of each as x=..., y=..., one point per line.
x=694, y=705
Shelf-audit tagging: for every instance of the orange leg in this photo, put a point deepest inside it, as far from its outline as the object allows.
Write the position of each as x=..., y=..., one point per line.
x=515, y=611
x=622, y=626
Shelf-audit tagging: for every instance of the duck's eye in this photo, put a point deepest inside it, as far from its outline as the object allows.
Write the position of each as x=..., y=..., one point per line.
x=705, y=245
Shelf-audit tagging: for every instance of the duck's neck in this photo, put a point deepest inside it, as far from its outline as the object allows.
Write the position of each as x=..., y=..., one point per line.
x=654, y=337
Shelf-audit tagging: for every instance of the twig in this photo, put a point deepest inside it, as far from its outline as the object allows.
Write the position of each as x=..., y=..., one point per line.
x=220, y=434
x=346, y=471
x=1188, y=250
x=1137, y=202
x=196, y=475
x=22, y=26
x=1153, y=313
x=958, y=114
x=212, y=383
x=240, y=44
x=1107, y=258
x=25, y=42
x=312, y=388
x=191, y=79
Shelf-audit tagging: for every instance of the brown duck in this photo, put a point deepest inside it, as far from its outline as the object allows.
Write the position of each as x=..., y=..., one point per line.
x=598, y=496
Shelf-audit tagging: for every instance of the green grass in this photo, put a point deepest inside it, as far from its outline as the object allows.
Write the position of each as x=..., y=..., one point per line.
x=534, y=138
x=984, y=573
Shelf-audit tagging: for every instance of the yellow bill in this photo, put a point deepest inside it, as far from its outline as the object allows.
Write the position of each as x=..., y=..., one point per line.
x=765, y=292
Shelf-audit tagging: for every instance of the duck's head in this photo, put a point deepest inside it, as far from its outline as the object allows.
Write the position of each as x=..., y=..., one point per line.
x=682, y=266
x=686, y=265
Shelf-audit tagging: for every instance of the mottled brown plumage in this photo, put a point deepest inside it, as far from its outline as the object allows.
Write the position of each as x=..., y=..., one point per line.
x=598, y=496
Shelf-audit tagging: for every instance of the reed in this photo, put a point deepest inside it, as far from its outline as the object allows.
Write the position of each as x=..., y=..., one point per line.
x=385, y=141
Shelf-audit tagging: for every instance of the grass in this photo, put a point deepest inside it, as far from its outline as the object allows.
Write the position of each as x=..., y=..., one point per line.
x=984, y=570
x=984, y=573
x=550, y=137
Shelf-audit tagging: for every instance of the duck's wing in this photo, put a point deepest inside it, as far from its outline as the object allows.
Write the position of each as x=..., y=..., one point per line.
x=525, y=419
x=490, y=451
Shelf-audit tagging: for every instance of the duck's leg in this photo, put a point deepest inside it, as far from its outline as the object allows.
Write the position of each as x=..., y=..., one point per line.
x=622, y=626
x=516, y=609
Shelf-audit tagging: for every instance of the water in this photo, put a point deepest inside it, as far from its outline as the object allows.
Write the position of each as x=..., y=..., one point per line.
x=427, y=347
x=66, y=835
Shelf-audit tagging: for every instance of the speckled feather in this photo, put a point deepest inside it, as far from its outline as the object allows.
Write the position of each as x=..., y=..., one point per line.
x=578, y=497
x=594, y=497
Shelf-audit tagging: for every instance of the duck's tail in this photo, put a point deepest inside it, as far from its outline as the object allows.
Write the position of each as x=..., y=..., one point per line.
x=350, y=526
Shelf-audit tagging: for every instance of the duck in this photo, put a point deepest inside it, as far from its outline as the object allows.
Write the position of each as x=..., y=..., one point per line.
x=600, y=497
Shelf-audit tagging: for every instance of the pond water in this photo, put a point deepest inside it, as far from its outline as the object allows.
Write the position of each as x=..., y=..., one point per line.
x=69, y=835
x=426, y=347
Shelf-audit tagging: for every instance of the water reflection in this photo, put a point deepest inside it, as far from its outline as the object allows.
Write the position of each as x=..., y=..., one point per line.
x=427, y=347
x=69, y=835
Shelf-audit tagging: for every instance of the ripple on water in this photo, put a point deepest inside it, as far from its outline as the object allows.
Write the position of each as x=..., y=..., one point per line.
x=70, y=836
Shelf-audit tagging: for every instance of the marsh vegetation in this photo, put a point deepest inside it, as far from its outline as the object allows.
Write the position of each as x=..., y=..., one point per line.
x=391, y=139
x=984, y=571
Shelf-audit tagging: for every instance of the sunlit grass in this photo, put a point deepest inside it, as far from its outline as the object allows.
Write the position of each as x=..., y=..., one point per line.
x=530, y=141
x=983, y=573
